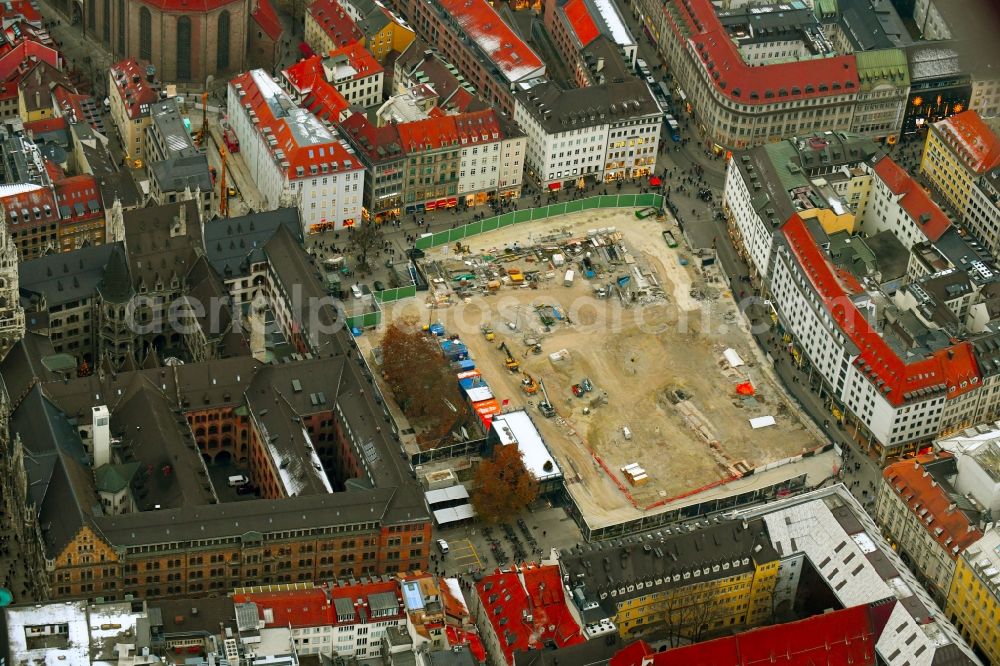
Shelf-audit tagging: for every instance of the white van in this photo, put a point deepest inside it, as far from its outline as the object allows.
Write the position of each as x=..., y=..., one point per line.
x=626, y=432
x=238, y=480
x=356, y=291
x=443, y=546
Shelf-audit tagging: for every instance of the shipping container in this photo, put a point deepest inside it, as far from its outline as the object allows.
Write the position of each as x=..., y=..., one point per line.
x=568, y=278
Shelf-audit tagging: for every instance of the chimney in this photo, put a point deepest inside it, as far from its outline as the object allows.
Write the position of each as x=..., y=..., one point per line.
x=102, y=435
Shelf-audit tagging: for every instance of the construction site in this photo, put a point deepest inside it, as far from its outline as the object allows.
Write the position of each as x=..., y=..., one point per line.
x=628, y=352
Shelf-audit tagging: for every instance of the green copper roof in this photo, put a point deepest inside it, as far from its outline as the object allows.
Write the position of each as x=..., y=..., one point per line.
x=114, y=478
x=882, y=66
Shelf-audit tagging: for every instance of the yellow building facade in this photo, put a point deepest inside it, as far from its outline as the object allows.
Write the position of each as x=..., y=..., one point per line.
x=392, y=37
x=957, y=151
x=974, y=596
x=703, y=606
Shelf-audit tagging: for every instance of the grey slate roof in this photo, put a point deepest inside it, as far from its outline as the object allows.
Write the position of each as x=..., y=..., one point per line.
x=229, y=243
x=68, y=277
x=719, y=550
x=578, y=108
x=153, y=254
x=60, y=483
x=22, y=368
x=177, y=173
x=121, y=186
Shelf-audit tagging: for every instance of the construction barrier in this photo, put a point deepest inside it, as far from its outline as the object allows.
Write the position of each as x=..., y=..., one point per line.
x=540, y=213
x=396, y=294
x=366, y=320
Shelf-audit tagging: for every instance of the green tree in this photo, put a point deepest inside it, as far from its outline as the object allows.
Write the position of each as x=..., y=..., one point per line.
x=504, y=486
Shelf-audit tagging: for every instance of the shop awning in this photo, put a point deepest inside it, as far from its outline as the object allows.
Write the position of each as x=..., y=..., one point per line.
x=442, y=203
x=430, y=205
x=655, y=181
x=555, y=186
x=452, y=202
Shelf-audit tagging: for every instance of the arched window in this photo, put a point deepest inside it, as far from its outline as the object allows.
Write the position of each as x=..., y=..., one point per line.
x=145, y=34
x=106, y=21
x=222, y=42
x=183, y=48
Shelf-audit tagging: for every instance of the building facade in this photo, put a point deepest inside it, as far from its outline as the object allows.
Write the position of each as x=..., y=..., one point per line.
x=133, y=90
x=919, y=512
x=603, y=133
x=974, y=596
x=293, y=156
x=958, y=151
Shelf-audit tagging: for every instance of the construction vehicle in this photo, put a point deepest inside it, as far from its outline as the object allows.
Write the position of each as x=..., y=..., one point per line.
x=512, y=363
x=488, y=332
x=223, y=190
x=545, y=406
x=578, y=390
x=529, y=385
x=202, y=132
x=586, y=385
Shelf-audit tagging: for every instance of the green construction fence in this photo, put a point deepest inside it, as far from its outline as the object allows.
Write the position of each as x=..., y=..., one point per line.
x=396, y=294
x=541, y=213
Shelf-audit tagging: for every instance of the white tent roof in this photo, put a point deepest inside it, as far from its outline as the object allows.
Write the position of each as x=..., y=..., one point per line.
x=446, y=494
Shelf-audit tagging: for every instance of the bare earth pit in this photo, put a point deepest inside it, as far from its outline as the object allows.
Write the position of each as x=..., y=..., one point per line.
x=659, y=365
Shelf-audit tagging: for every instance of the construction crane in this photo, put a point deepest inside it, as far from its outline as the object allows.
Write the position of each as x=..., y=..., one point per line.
x=545, y=406
x=529, y=385
x=223, y=189
x=512, y=363
x=199, y=136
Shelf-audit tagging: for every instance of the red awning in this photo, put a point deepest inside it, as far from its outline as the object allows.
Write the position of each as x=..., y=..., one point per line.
x=555, y=186
x=655, y=181
x=430, y=205
x=452, y=202
x=442, y=203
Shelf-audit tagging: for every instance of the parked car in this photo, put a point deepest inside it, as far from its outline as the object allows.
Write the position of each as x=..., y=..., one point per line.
x=378, y=286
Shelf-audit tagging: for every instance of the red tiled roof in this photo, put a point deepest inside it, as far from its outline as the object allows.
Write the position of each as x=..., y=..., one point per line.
x=913, y=198
x=187, y=6
x=368, y=138
x=267, y=19
x=23, y=8
x=17, y=57
x=509, y=603
x=295, y=608
x=54, y=171
x=315, y=607
x=135, y=91
x=632, y=654
x=19, y=208
x=322, y=151
x=439, y=131
x=845, y=636
x=319, y=96
x=363, y=62
x=78, y=190
x=919, y=491
x=972, y=139
x=786, y=81
x=896, y=379
x=459, y=637
x=495, y=38
x=581, y=21
x=335, y=22
x=46, y=125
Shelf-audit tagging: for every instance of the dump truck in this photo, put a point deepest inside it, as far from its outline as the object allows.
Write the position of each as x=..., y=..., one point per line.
x=529, y=385
x=512, y=363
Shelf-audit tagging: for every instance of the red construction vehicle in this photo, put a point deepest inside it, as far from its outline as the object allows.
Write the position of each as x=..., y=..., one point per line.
x=232, y=143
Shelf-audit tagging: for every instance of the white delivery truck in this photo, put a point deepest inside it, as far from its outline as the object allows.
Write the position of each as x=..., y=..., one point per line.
x=568, y=279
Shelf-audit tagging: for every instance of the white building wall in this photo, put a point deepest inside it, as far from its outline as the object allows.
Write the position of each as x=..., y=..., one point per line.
x=758, y=237
x=881, y=212
x=512, y=155
x=479, y=167
x=566, y=155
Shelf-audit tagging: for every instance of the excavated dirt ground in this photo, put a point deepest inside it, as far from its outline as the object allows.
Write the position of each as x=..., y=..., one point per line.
x=660, y=365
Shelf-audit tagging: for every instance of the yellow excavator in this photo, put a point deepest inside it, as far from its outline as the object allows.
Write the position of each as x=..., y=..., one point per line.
x=529, y=385
x=512, y=363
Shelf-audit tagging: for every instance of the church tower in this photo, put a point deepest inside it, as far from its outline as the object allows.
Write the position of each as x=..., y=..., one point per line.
x=11, y=312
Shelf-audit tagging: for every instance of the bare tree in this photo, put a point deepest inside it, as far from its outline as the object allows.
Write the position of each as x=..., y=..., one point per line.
x=365, y=240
